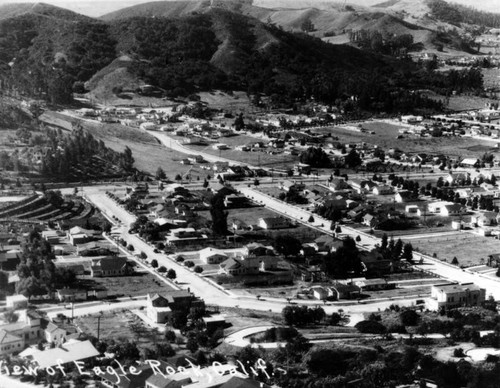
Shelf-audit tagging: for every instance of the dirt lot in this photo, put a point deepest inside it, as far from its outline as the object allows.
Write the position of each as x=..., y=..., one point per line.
x=117, y=325
x=468, y=248
x=141, y=283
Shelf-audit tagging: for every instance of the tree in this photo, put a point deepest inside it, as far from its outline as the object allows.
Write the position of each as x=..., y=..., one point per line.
x=315, y=157
x=162, y=269
x=192, y=344
x=311, y=219
x=353, y=159
x=219, y=216
x=198, y=269
x=143, y=255
x=409, y=317
x=154, y=263
x=171, y=274
x=130, y=247
x=178, y=177
x=287, y=245
x=256, y=182
x=339, y=319
x=408, y=252
x=160, y=174
x=127, y=160
x=384, y=241
x=454, y=261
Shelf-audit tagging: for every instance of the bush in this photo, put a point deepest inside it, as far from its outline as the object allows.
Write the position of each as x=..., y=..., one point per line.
x=189, y=264
x=162, y=269
x=130, y=247
x=171, y=274
x=409, y=318
x=370, y=327
x=179, y=259
x=143, y=256
x=154, y=263
x=198, y=269
x=458, y=352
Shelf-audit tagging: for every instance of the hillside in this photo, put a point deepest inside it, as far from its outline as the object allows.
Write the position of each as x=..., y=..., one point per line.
x=329, y=20
x=13, y=10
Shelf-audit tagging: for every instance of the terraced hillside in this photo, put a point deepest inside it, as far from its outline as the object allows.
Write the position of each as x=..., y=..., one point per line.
x=38, y=207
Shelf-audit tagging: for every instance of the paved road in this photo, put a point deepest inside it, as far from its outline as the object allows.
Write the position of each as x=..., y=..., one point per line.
x=207, y=290
x=444, y=270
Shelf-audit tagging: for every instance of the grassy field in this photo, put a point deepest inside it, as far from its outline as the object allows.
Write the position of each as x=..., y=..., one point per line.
x=468, y=248
x=386, y=137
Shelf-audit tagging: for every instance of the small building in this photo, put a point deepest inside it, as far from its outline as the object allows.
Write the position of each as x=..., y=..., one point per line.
x=292, y=185
x=16, y=302
x=485, y=219
x=159, y=307
x=71, y=295
x=274, y=223
x=54, y=334
x=448, y=296
x=372, y=284
x=66, y=353
x=212, y=256
x=214, y=322
x=382, y=190
x=470, y=162
x=403, y=196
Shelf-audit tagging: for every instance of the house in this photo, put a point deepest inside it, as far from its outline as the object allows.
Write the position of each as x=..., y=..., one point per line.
x=403, y=196
x=274, y=223
x=212, y=256
x=77, y=235
x=372, y=284
x=237, y=266
x=370, y=220
x=344, y=291
x=54, y=333
x=10, y=343
x=445, y=209
x=321, y=293
x=470, y=162
x=159, y=307
x=448, y=296
x=382, y=190
x=71, y=295
x=256, y=250
x=374, y=263
x=16, y=302
x=67, y=353
x=326, y=243
x=235, y=201
x=184, y=236
x=292, y=185
x=109, y=266
x=457, y=178
x=485, y=219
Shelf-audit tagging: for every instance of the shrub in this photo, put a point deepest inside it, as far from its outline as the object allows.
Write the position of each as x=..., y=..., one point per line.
x=370, y=327
x=130, y=247
x=458, y=352
x=162, y=269
x=198, y=269
x=189, y=264
x=154, y=263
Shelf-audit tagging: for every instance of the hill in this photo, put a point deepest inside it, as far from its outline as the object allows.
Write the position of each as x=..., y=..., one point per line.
x=13, y=10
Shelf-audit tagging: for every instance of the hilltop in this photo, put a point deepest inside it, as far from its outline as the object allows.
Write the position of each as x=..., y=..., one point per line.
x=8, y=11
x=331, y=22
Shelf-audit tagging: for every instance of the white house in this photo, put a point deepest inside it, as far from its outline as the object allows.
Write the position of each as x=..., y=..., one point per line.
x=212, y=256
x=274, y=223
x=16, y=302
x=10, y=343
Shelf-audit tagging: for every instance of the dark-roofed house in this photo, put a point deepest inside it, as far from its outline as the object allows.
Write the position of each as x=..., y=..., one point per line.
x=159, y=307
x=238, y=382
x=403, y=196
x=327, y=243
x=109, y=266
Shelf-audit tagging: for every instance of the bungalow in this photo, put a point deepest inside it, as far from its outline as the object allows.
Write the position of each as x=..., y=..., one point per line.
x=457, y=178
x=256, y=249
x=484, y=219
x=321, y=293
x=274, y=223
x=345, y=291
x=184, y=236
x=248, y=265
x=403, y=196
x=291, y=185
x=212, y=256
x=382, y=190
x=109, y=266
x=54, y=334
x=372, y=284
x=470, y=162
x=337, y=184
x=370, y=220
x=445, y=209
x=327, y=243
x=71, y=295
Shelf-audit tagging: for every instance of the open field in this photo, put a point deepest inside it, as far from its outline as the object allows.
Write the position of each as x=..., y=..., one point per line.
x=468, y=248
x=386, y=137
x=138, y=284
x=256, y=158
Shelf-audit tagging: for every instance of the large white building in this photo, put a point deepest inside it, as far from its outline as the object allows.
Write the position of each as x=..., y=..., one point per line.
x=455, y=295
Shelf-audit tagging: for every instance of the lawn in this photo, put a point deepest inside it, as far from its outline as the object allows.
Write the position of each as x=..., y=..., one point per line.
x=468, y=248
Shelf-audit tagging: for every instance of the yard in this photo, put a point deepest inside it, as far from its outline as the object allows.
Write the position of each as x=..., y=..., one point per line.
x=468, y=248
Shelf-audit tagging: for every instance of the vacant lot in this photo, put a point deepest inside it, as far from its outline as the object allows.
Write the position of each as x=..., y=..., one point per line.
x=140, y=283
x=468, y=248
x=117, y=325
